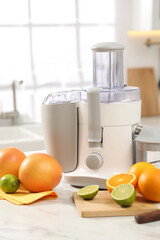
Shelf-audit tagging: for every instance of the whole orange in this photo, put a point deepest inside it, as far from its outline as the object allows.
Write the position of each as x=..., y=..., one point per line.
x=149, y=184
x=40, y=172
x=10, y=161
x=139, y=168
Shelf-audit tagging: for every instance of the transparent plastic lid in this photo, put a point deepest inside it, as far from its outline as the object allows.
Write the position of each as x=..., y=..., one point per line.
x=106, y=96
x=107, y=75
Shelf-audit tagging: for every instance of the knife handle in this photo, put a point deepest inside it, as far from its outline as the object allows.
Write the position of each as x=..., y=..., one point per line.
x=148, y=217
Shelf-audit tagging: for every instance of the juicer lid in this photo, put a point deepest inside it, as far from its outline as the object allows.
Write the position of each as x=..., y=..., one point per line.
x=127, y=94
x=107, y=47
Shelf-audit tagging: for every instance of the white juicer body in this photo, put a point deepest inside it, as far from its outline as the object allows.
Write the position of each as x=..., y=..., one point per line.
x=98, y=161
x=90, y=131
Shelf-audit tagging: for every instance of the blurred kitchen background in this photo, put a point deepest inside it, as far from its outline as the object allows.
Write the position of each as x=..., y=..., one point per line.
x=46, y=43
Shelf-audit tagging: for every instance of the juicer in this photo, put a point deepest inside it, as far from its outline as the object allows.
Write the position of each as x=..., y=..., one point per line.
x=90, y=131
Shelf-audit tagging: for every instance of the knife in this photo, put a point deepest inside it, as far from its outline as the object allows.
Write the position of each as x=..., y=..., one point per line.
x=147, y=217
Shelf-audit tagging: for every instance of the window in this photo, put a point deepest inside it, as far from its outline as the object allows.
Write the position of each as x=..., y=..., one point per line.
x=47, y=44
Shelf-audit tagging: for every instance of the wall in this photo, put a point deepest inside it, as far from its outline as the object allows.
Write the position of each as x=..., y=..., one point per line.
x=139, y=55
x=137, y=15
x=141, y=15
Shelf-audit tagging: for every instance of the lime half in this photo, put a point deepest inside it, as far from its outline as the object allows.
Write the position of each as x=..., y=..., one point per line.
x=9, y=183
x=88, y=192
x=124, y=194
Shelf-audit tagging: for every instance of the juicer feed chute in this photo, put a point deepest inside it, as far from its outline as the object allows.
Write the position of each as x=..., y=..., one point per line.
x=89, y=131
x=108, y=65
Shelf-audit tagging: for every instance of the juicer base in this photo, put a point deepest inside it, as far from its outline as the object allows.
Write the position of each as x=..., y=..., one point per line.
x=82, y=181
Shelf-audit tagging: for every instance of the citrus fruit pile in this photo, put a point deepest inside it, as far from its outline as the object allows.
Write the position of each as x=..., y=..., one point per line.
x=148, y=177
x=138, y=169
x=37, y=172
x=142, y=176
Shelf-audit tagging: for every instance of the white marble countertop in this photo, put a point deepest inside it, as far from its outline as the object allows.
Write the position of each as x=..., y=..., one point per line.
x=59, y=219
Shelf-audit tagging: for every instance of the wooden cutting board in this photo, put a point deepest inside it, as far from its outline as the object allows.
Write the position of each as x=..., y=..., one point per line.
x=145, y=79
x=103, y=206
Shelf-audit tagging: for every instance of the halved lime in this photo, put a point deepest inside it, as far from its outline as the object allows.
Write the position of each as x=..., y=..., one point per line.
x=124, y=194
x=9, y=183
x=88, y=192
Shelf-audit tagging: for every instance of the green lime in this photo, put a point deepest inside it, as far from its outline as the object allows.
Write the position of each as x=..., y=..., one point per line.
x=124, y=194
x=88, y=192
x=9, y=183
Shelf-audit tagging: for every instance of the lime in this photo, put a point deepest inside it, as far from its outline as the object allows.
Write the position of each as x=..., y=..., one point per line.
x=88, y=192
x=9, y=183
x=124, y=194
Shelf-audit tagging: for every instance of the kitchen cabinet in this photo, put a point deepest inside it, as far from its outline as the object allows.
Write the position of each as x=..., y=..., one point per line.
x=145, y=15
x=156, y=15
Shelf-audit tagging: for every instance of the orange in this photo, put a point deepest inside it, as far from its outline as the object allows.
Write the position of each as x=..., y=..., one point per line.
x=149, y=184
x=10, y=161
x=40, y=172
x=139, y=168
x=119, y=179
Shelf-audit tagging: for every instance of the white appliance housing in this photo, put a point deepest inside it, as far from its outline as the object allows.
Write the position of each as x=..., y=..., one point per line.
x=90, y=132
